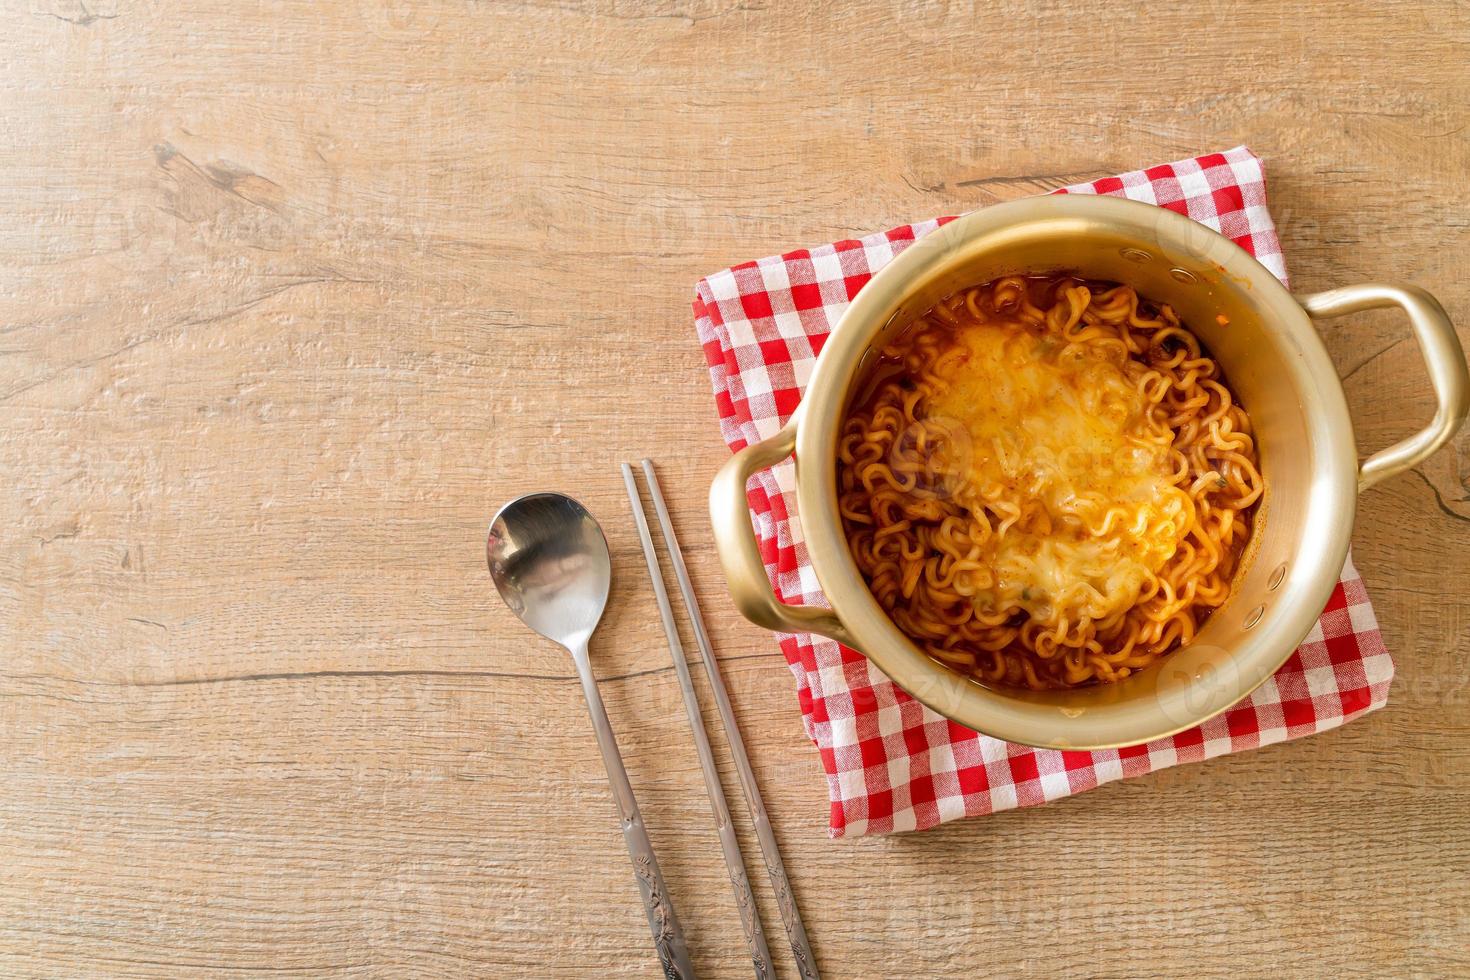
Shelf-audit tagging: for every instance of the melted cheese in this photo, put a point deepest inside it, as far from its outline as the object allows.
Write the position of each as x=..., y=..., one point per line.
x=1060, y=447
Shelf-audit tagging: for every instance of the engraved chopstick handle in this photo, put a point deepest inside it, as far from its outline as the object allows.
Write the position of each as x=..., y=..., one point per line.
x=801, y=949
x=668, y=938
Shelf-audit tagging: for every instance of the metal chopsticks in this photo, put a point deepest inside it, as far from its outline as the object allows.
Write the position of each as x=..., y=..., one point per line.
x=790, y=916
x=755, y=937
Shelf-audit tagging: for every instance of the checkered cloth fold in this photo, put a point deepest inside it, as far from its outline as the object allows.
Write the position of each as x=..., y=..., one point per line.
x=891, y=763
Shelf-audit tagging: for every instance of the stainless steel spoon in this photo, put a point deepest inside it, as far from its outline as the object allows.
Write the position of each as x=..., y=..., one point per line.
x=550, y=563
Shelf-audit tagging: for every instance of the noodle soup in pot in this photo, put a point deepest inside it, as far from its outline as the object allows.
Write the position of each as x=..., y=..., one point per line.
x=1047, y=482
x=1076, y=472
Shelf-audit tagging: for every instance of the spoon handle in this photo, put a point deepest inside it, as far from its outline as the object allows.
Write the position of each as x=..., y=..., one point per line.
x=668, y=938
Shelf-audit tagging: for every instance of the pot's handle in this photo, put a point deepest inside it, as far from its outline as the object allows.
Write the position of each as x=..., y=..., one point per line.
x=1443, y=356
x=745, y=573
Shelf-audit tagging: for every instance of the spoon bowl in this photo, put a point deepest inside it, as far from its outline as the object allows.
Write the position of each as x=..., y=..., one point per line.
x=550, y=563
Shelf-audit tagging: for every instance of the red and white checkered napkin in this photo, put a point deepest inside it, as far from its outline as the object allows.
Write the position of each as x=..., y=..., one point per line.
x=892, y=764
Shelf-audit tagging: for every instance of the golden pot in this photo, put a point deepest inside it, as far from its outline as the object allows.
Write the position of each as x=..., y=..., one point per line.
x=1279, y=370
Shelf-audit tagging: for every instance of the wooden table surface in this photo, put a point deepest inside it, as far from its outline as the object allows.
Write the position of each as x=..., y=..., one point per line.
x=294, y=294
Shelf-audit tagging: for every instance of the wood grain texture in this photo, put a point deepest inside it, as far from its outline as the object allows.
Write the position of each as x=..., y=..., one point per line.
x=294, y=294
